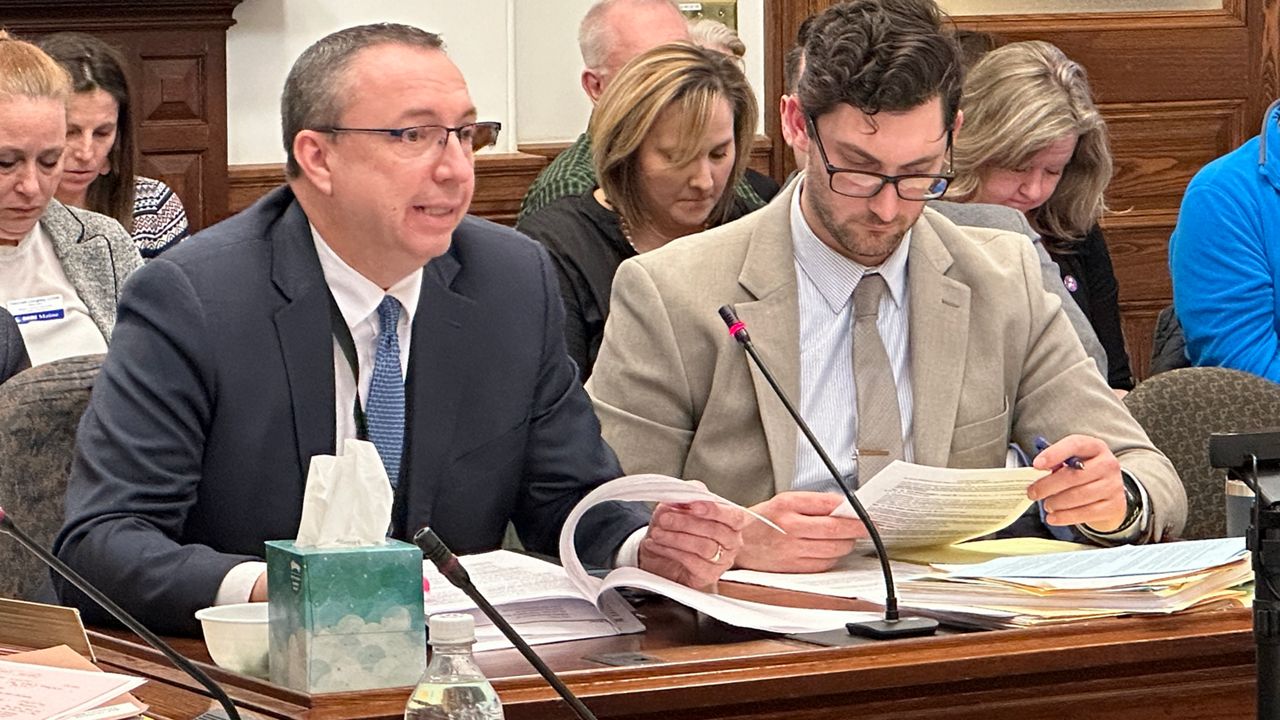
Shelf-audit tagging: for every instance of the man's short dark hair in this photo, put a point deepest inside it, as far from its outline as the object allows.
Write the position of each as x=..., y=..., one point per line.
x=316, y=89
x=881, y=55
x=793, y=61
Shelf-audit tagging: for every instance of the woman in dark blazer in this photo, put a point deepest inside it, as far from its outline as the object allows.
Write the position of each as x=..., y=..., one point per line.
x=671, y=136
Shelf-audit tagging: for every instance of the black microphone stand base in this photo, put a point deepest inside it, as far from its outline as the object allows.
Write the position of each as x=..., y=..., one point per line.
x=859, y=633
x=893, y=629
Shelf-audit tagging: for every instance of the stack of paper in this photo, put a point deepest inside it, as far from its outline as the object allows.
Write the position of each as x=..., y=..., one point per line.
x=535, y=596
x=36, y=688
x=1058, y=587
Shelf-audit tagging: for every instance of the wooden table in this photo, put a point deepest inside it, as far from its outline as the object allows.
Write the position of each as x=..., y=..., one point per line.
x=1198, y=666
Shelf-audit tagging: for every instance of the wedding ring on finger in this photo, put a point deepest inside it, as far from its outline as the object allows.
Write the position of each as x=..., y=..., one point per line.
x=719, y=553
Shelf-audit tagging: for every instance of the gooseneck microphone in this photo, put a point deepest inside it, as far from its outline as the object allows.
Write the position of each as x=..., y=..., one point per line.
x=892, y=626
x=434, y=549
x=8, y=527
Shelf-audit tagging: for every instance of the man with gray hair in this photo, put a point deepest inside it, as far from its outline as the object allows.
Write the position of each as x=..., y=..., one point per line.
x=611, y=34
x=358, y=301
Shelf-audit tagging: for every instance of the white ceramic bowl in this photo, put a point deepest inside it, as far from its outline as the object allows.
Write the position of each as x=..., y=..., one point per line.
x=237, y=637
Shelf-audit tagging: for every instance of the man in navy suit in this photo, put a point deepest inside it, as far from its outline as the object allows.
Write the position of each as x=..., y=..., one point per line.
x=13, y=351
x=272, y=337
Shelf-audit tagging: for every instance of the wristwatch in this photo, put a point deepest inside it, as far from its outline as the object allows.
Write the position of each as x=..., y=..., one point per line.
x=1133, y=502
x=1134, y=513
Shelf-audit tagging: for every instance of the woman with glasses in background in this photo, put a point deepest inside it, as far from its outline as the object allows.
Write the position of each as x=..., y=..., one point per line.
x=1033, y=140
x=99, y=167
x=671, y=136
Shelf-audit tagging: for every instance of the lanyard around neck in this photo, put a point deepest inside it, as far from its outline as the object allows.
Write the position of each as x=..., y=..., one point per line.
x=342, y=334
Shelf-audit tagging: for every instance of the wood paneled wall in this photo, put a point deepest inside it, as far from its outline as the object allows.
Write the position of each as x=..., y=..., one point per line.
x=1177, y=88
x=175, y=55
x=501, y=178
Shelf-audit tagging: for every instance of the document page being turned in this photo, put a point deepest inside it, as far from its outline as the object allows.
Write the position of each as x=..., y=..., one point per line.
x=734, y=611
x=920, y=506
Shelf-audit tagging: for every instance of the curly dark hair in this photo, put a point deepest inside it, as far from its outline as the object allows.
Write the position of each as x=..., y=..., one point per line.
x=881, y=55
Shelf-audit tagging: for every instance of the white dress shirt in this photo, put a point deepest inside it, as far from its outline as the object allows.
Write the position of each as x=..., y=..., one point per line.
x=358, y=299
x=825, y=281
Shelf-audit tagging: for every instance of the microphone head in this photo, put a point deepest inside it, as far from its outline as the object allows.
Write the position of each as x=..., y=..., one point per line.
x=433, y=548
x=736, y=327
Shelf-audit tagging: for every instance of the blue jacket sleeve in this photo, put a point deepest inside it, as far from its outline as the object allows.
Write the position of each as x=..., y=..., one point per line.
x=1224, y=281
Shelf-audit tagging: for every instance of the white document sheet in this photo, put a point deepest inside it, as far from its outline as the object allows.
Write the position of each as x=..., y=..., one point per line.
x=41, y=692
x=535, y=597
x=857, y=576
x=1105, y=567
x=921, y=506
x=739, y=613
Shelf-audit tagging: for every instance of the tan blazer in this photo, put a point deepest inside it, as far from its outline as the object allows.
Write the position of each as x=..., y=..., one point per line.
x=993, y=360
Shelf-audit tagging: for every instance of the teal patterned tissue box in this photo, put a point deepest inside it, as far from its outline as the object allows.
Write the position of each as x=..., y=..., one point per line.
x=345, y=618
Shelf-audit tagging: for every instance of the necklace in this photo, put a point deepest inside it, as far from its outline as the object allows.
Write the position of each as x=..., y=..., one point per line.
x=629, y=236
x=626, y=232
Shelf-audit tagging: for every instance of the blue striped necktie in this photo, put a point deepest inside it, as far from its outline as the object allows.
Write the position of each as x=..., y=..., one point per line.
x=385, y=407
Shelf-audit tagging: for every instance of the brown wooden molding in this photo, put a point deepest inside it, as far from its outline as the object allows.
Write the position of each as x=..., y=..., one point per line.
x=501, y=181
x=44, y=16
x=501, y=178
x=762, y=153
x=247, y=183
x=1231, y=14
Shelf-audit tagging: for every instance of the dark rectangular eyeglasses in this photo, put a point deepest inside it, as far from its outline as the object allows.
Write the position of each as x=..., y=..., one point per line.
x=865, y=184
x=431, y=139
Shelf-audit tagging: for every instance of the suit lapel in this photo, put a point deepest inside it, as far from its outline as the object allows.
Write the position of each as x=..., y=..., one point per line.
x=768, y=275
x=434, y=387
x=306, y=340
x=939, y=327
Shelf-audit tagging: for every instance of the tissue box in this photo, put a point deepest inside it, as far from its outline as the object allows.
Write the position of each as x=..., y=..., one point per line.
x=345, y=618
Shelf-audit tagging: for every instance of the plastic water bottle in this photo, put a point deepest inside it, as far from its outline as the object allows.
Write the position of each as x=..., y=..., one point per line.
x=453, y=687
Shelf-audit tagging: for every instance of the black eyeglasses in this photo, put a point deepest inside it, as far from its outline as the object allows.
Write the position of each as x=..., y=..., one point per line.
x=429, y=140
x=865, y=184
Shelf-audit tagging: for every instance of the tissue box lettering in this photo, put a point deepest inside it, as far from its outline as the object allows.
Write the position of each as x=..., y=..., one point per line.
x=345, y=618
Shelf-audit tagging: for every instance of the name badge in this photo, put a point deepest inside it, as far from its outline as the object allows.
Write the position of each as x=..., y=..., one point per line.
x=37, y=309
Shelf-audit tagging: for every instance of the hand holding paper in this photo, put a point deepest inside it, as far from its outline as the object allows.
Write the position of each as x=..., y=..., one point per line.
x=347, y=501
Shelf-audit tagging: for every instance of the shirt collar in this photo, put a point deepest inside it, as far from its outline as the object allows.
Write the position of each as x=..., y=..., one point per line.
x=835, y=275
x=357, y=296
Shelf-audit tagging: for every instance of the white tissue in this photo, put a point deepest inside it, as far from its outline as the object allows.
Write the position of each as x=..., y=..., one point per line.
x=348, y=499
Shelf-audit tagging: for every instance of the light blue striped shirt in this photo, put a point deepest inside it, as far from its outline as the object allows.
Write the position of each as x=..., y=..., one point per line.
x=825, y=281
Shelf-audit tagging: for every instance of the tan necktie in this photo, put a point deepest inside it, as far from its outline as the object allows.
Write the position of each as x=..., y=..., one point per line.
x=879, y=422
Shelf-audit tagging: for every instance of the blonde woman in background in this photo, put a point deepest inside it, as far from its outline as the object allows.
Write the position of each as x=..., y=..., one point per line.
x=1033, y=140
x=715, y=35
x=61, y=268
x=671, y=136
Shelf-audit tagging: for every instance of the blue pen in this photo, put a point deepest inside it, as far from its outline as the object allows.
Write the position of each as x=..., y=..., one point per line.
x=1072, y=462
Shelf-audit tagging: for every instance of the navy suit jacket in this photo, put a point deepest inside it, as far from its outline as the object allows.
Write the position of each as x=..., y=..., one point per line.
x=13, y=351
x=219, y=387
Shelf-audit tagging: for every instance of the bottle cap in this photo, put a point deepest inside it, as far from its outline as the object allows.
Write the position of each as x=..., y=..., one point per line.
x=451, y=628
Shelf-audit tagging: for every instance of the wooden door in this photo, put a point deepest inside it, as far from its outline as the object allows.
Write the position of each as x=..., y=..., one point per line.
x=1178, y=88
x=175, y=55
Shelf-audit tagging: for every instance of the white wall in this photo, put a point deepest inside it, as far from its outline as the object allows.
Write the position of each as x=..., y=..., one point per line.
x=270, y=34
x=520, y=58
x=550, y=103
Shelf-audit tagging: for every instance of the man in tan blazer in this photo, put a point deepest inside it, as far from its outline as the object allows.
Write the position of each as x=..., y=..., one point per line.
x=982, y=356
